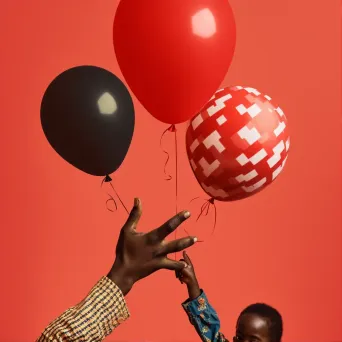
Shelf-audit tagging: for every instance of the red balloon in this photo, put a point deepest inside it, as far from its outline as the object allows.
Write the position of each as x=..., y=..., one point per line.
x=174, y=54
x=238, y=144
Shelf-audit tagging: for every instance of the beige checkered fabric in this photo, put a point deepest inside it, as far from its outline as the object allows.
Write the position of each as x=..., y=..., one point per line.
x=92, y=319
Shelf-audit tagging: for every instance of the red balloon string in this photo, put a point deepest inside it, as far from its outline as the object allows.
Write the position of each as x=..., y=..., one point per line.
x=205, y=210
x=107, y=179
x=169, y=129
x=176, y=180
x=194, y=199
x=215, y=216
x=168, y=177
x=186, y=232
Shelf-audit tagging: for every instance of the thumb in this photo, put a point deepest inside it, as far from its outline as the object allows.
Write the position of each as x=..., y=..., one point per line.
x=134, y=215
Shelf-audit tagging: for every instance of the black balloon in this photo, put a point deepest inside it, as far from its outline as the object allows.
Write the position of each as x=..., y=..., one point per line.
x=87, y=115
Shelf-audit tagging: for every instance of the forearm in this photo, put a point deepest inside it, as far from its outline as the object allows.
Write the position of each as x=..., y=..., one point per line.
x=194, y=290
x=94, y=318
x=203, y=316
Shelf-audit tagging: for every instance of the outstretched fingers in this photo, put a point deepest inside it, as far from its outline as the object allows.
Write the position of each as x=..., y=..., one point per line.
x=172, y=265
x=177, y=245
x=159, y=234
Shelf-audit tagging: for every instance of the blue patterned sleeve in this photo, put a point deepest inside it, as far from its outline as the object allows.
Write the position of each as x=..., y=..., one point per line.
x=204, y=318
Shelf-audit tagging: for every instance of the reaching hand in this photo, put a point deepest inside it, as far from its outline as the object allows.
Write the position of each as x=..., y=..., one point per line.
x=187, y=275
x=140, y=254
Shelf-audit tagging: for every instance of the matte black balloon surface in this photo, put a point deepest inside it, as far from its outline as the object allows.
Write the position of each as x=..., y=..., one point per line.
x=87, y=115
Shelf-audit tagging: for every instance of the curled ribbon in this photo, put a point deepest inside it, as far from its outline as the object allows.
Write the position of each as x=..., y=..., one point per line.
x=172, y=129
x=205, y=210
x=107, y=179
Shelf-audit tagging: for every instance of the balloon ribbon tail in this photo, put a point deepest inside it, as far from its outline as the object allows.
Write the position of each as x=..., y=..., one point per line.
x=108, y=179
x=205, y=210
x=169, y=129
x=122, y=203
x=111, y=198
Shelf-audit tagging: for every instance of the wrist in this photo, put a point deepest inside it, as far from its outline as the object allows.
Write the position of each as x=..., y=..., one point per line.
x=120, y=278
x=192, y=282
x=194, y=290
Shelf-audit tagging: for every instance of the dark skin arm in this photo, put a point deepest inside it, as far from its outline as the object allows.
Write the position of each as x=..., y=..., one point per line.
x=140, y=254
x=187, y=275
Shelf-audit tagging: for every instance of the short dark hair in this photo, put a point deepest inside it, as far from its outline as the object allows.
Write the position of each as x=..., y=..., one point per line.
x=274, y=318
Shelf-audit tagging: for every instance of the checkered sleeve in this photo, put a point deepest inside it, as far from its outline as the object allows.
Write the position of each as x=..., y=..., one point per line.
x=94, y=318
x=204, y=318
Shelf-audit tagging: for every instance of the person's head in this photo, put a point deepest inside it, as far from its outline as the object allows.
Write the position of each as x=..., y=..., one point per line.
x=259, y=323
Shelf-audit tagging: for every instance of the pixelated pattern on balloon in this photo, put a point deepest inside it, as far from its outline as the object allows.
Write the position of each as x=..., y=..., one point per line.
x=238, y=144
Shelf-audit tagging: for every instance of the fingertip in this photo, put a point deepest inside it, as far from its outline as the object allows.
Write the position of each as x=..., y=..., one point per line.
x=139, y=206
x=182, y=265
x=186, y=214
x=134, y=215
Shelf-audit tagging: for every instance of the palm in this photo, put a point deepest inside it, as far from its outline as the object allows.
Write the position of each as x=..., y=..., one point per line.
x=145, y=253
x=187, y=273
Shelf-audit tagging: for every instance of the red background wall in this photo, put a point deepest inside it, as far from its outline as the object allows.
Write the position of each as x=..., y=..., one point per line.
x=282, y=246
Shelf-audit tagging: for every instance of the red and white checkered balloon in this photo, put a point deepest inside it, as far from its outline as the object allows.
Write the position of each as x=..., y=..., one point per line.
x=238, y=143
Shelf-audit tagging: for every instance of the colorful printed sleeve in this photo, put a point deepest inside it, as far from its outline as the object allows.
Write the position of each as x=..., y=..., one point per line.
x=103, y=310
x=204, y=318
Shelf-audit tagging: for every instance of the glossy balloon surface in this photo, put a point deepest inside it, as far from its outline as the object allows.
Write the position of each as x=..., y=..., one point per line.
x=87, y=115
x=174, y=54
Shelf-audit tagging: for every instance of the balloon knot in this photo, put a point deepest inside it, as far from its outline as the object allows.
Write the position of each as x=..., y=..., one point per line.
x=107, y=179
x=172, y=128
x=212, y=200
